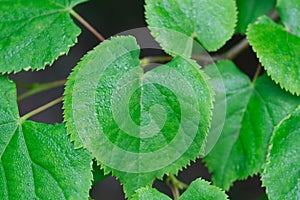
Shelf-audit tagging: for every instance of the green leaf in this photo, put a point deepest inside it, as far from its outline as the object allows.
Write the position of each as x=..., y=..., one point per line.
x=35, y=33
x=98, y=173
x=281, y=59
x=202, y=190
x=253, y=109
x=138, y=125
x=282, y=172
x=211, y=23
x=198, y=190
x=147, y=193
x=37, y=160
x=289, y=12
x=250, y=10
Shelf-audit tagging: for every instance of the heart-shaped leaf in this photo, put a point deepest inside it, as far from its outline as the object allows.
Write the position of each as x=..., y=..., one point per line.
x=37, y=160
x=278, y=51
x=282, y=173
x=35, y=33
x=138, y=125
x=211, y=23
x=253, y=109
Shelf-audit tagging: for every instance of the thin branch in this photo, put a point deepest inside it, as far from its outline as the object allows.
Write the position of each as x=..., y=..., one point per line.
x=175, y=185
x=242, y=45
x=37, y=88
x=87, y=25
x=205, y=60
x=175, y=192
x=154, y=59
x=257, y=72
x=230, y=54
x=234, y=51
x=42, y=108
x=26, y=85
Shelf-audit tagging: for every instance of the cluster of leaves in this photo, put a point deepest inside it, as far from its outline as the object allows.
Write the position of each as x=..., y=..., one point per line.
x=261, y=129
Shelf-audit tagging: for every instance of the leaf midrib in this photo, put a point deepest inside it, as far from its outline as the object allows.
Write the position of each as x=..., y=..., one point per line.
x=8, y=142
x=237, y=131
x=30, y=159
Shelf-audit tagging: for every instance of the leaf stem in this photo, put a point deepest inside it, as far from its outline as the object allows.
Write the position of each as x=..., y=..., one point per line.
x=175, y=192
x=154, y=59
x=175, y=185
x=87, y=25
x=230, y=54
x=257, y=72
x=42, y=108
x=234, y=51
x=37, y=88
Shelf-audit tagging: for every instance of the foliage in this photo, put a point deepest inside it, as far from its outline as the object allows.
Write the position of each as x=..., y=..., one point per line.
x=198, y=190
x=32, y=35
x=140, y=124
x=37, y=160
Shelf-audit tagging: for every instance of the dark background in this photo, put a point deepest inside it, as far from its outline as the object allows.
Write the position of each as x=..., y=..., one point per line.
x=110, y=18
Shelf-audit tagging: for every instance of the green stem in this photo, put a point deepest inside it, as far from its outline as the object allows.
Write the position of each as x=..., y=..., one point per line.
x=204, y=60
x=42, y=108
x=155, y=59
x=230, y=54
x=175, y=185
x=175, y=192
x=257, y=72
x=26, y=85
x=37, y=88
x=87, y=25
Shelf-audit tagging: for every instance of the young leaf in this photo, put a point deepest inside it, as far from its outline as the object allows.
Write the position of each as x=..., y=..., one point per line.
x=278, y=51
x=282, y=172
x=202, y=190
x=211, y=23
x=37, y=160
x=198, y=190
x=253, y=109
x=147, y=193
x=289, y=12
x=35, y=33
x=138, y=125
x=250, y=10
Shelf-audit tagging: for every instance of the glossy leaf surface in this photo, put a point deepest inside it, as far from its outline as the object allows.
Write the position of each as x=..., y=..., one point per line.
x=278, y=51
x=211, y=23
x=35, y=33
x=123, y=115
x=253, y=109
x=282, y=173
x=37, y=160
